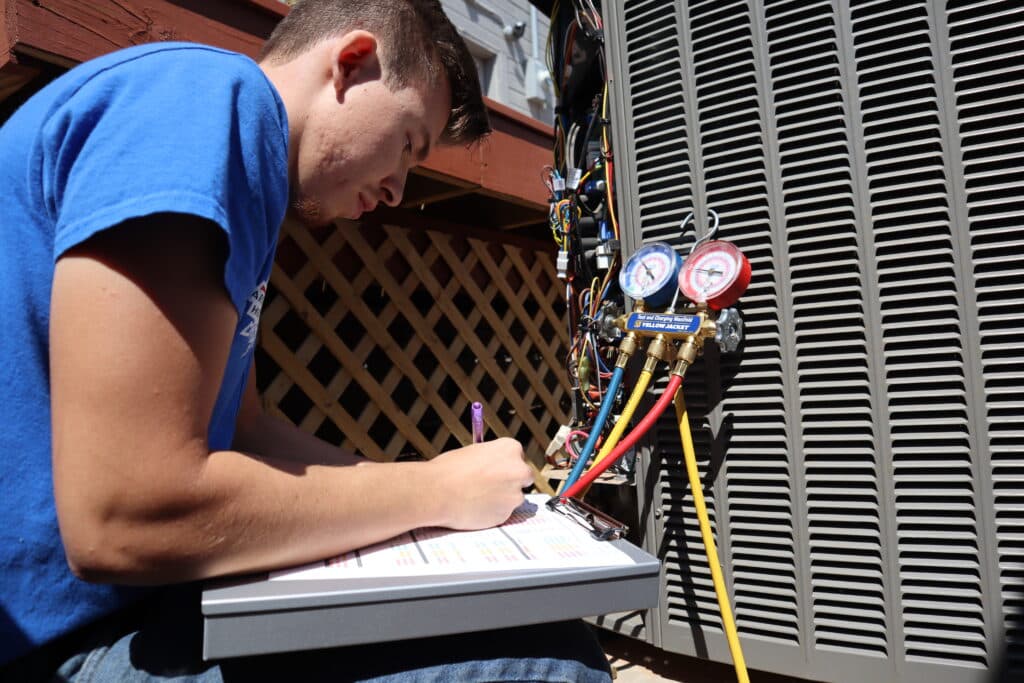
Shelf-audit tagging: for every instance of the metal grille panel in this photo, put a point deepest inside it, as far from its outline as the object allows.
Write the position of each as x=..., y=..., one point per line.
x=862, y=455
x=827, y=285
x=986, y=39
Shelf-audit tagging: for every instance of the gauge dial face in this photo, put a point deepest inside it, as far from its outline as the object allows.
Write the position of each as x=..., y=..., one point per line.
x=716, y=273
x=649, y=270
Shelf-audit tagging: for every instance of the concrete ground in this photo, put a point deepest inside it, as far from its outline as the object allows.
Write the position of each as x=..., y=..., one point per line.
x=634, y=661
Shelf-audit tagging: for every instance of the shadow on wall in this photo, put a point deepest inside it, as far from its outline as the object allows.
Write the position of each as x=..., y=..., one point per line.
x=1008, y=667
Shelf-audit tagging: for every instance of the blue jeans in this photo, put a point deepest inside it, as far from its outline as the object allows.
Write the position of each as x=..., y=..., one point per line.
x=165, y=645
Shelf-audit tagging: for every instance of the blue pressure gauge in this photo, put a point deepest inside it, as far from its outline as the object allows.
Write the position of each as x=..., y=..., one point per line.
x=651, y=274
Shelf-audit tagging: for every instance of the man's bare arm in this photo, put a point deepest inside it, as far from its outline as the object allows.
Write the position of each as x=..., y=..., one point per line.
x=140, y=330
x=262, y=434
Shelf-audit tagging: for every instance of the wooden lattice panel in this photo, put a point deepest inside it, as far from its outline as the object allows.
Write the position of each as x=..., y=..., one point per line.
x=379, y=338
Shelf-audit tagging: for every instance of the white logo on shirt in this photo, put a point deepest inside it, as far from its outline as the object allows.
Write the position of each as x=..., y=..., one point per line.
x=253, y=307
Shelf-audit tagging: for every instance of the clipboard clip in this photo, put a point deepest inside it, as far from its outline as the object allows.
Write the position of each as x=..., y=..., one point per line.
x=601, y=526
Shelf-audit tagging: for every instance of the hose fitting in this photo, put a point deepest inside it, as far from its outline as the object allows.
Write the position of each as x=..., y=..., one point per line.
x=627, y=347
x=690, y=349
x=657, y=350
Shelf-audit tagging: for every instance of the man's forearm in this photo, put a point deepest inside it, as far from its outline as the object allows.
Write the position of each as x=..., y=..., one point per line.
x=270, y=436
x=247, y=513
x=282, y=515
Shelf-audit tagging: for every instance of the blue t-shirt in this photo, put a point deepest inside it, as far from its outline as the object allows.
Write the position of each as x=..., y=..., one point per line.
x=168, y=127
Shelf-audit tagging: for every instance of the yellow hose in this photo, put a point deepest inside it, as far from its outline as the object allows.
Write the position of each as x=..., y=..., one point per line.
x=623, y=422
x=627, y=415
x=709, y=540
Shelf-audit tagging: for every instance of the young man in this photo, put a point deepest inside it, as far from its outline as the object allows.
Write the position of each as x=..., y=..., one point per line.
x=142, y=195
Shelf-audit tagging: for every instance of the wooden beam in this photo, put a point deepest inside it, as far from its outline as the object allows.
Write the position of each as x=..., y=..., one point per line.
x=275, y=8
x=76, y=31
x=14, y=77
x=409, y=218
x=515, y=225
x=428, y=199
x=507, y=164
x=8, y=27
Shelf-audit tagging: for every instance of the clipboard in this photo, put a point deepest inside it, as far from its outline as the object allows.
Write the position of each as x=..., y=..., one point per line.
x=258, y=615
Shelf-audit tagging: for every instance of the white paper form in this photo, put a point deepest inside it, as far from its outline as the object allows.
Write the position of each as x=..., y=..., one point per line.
x=534, y=537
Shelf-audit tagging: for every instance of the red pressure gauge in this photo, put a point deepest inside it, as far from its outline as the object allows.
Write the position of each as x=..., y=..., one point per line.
x=716, y=273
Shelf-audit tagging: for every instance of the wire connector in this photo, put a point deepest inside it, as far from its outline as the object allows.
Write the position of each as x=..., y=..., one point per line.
x=557, y=443
x=562, y=264
x=605, y=254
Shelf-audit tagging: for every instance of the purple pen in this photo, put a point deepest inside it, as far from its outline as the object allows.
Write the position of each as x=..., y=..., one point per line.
x=477, y=417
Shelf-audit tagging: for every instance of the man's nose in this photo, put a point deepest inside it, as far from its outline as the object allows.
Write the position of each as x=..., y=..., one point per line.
x=393, y=186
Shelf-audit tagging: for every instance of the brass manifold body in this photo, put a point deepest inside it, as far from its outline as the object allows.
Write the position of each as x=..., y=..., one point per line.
x=693, y=329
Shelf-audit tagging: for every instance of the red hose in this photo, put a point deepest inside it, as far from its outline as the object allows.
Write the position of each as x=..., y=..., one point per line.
x=642, y=428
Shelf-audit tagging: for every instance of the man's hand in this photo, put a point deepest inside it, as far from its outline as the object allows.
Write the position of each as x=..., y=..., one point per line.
x=486, y=482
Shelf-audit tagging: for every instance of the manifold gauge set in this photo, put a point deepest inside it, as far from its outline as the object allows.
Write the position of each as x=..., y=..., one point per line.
x=715, y=274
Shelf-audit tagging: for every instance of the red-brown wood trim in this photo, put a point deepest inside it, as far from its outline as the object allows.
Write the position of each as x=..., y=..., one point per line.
x=14, y=77
x=411, y=218
x=278, y=9
x=8, y=28
x=507, y=163
x=497, y=108
x=75, y=31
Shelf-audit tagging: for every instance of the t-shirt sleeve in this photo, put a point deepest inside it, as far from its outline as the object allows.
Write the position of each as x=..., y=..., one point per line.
x=188, y=130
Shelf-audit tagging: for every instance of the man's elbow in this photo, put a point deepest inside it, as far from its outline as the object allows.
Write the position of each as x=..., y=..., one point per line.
x=128, y=530
x=97, y=553
x=93, y=566
x=116, y=552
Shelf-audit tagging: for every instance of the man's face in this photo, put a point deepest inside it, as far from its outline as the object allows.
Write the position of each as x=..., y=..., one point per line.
x=357, y=146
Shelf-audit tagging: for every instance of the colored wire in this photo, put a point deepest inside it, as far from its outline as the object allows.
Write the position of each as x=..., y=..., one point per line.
x=572, y=361
x=570, y=444
x=570, y=149
x=586, y=9
x=697, y=492
x=596, y=15
x=606, y=151
x=549, y=55
x=599, y=363
x=595, y=430
x=584, y=177
x=642, y=428
x=577, y=433
x=595, y=304
x=588, y=343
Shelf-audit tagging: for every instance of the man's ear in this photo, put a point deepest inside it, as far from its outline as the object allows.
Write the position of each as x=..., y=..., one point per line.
x=354, y=59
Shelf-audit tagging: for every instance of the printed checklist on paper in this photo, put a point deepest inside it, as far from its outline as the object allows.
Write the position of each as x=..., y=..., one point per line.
x=534, y=537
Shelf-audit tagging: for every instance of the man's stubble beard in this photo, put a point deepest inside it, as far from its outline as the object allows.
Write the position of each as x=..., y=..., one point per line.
x=309, y=212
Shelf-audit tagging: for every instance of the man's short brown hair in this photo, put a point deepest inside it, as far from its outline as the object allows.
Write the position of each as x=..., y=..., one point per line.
x=417, y=38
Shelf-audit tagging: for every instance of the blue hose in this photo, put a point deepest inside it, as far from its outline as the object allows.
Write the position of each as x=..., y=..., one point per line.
x=595, y=430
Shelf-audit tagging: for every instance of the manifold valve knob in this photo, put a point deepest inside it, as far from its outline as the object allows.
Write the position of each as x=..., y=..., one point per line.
x=729, y=330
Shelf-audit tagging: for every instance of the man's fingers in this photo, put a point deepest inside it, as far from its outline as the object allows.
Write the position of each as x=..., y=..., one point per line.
x=527, y=477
